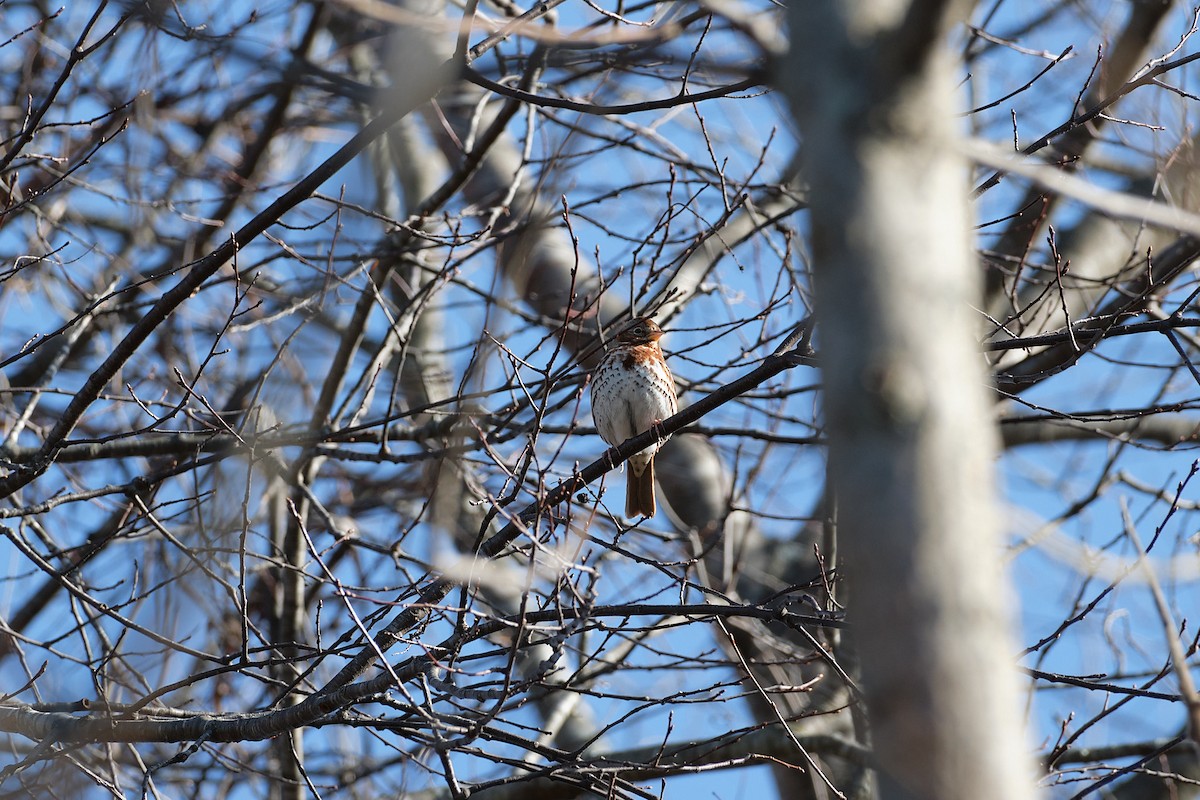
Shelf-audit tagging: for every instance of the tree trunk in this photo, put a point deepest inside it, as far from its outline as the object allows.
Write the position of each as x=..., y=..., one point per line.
x=911, y=439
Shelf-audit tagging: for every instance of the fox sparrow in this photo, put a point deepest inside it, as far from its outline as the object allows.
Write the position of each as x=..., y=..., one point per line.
x=632, y=391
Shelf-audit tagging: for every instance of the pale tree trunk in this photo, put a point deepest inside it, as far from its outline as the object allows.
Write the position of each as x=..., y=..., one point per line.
x=911, y=440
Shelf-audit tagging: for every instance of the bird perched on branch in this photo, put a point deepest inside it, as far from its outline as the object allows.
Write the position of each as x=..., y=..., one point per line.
x=632, y=391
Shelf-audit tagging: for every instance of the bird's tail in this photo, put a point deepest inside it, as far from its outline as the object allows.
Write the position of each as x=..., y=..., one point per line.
x=639, y=492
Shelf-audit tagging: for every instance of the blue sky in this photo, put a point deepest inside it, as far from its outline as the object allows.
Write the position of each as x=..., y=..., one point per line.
x=1123, y=637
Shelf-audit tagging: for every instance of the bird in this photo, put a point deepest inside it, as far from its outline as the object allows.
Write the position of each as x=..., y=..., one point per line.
x=632, y=391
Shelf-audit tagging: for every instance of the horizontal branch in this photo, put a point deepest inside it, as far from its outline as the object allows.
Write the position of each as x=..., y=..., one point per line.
x=1087, y=331
x=1168, y=428
x=768, y=745
x=1092, y=755
x=1097, y=686
x=593, y=108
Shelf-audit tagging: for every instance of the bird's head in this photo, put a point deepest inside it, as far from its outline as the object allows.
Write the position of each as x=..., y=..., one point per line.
x=640, y=330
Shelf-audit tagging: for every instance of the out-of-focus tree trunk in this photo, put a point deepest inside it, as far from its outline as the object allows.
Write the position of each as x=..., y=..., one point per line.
x=911, y=442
